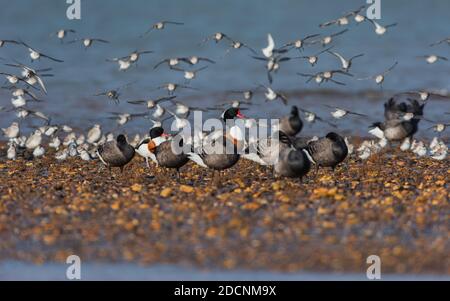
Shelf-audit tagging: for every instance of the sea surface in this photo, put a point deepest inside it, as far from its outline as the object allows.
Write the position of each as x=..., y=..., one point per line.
x=84, y=73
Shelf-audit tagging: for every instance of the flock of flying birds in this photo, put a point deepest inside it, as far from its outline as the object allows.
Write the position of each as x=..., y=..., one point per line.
x=292, y=157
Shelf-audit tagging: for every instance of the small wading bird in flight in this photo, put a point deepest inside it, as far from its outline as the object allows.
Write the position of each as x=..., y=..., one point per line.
x=273, y=64
x=123, y=118
x=4, y=42
x=36, y=55
x=432, y=58
x=270, y=50
x=424, y=95
x=114, y=94
x=127, y=61
x=217, y=37
x=325, y=76
x=192, y=60
x=272, y=95
x=160, y=26
x=171, y=88
x=247, y=94
x=151, y=103
x=61, y=34
x=439, y=127
x=345, y=19
x=313, y=59
x=189, y=74
x=13, y=79
x=328, y=39
x=88, y=42
x=379, y=29
x=446, y=40
x=339, y=113
x=379, y=78
x=239, y=45
x=32, y=76
x=346, y=63
x=299, y=43
x=312, y=117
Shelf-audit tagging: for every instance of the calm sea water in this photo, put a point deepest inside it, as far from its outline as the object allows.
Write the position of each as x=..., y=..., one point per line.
x=85, y=73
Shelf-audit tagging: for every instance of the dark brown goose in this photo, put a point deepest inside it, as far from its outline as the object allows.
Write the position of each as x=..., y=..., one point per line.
x=116, y=153
x=209, y=158
x=166, y=154
x=328, y=151
x=394, y=130
x=287, y=161
x=267, y=151
x=291, y=125
x=401, y=120
x=292, y=163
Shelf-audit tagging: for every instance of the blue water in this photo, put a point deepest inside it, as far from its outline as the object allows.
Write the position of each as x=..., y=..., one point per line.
x=85, y=73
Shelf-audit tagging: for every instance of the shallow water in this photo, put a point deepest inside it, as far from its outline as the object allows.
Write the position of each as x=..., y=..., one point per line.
x=85, y=73
x=12, y=270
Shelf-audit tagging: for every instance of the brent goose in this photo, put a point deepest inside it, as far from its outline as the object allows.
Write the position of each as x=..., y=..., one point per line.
x=166, y=157
x=267, y=151
x=116, y=153
x=291, y=125
x=328, y=151
x=292, y=163
x=396, y=127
